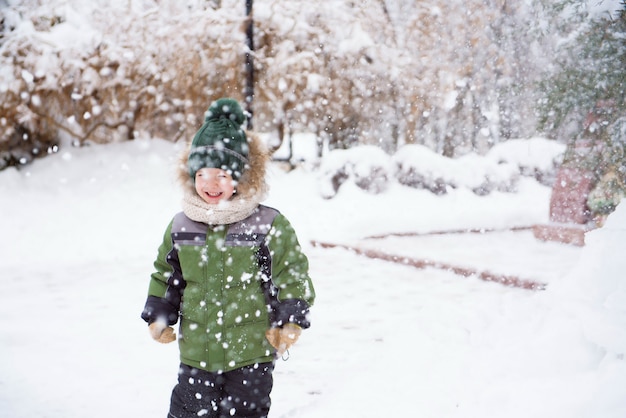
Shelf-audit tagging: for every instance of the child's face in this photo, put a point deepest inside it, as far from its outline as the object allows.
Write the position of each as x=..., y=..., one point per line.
x=214, y=185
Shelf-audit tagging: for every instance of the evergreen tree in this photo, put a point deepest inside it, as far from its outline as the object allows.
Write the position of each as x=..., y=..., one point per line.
x=590, y=69
x=588, y=92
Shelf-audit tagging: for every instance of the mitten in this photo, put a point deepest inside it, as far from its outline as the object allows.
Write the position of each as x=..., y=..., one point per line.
x=283, y=338
x=161, y=332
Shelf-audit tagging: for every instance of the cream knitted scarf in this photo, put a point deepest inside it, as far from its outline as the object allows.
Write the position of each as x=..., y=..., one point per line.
x=224, y=213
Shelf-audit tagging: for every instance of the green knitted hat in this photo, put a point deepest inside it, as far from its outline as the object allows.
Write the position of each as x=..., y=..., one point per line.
x=220, y=142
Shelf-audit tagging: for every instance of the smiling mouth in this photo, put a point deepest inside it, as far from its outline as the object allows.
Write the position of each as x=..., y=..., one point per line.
x=216, y=194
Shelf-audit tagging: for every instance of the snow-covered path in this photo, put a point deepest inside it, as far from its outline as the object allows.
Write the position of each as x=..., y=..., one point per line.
x=84, y=351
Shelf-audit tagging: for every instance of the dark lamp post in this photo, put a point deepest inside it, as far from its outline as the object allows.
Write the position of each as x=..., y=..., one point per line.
x=249, y=88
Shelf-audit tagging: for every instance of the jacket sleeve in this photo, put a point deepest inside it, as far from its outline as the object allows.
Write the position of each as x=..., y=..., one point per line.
x=166, y=284
x=290, y=275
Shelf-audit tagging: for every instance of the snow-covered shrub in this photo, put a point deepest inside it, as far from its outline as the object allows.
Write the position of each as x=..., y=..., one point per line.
x=30, y=137
x=106, y=77
x=607, y=194
x=367, y=166
x=535, y=157
x=610, y=169
x=482, y=176
x=420, y=167
x=106, y=71
x=593, y=292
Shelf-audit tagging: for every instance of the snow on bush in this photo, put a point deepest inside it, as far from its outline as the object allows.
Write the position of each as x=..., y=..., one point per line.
x=536, y=157
x=419, y=167
x=367, y=166
x=483, y=176
x=594, y=293
x=416, y=166
x=105, y=77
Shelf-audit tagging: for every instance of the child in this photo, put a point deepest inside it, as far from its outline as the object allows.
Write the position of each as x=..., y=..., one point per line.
x=232, y=270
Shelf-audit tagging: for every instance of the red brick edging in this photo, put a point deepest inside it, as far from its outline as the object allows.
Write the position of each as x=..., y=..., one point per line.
x=506, y=280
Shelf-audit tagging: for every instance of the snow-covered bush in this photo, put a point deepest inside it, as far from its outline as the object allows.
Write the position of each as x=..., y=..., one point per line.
x=416, y=166
x=610, y=187
x=535, y=157
x=483, y=176
x=367, y=166
x=347, y=71
x=607, y=194
x=106, y=77
x=419, y=167
x=593, y=293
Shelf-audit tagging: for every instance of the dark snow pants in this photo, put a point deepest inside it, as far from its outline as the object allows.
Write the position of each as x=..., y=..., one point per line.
x=243, y=392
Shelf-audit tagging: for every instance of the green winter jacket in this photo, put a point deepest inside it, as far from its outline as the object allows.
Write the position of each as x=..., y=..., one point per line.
x=210, y=278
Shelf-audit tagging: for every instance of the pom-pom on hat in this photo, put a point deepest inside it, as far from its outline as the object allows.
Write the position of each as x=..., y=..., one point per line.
x=221, y=142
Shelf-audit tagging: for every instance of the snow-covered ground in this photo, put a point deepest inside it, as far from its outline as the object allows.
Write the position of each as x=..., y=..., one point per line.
x=81, y=229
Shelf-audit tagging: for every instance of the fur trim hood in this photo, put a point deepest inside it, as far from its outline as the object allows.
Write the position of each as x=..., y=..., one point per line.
x=253, y=179
x=251, y=189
